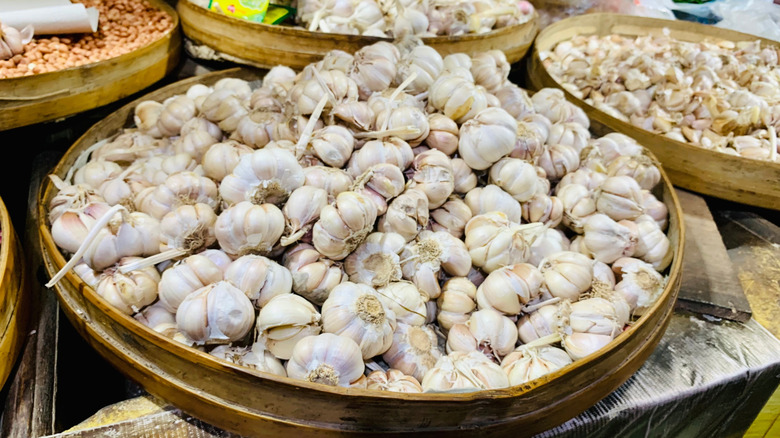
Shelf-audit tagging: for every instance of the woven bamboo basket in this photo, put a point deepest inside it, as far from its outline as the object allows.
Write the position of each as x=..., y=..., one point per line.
x=49, y=96
x=14, y=296
x=266, y=46
x=252, y=403
x=734, y=178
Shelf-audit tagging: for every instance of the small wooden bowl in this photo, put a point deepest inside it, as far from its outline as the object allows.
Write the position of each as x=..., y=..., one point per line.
x=266, y=46
x=49, y=96
x=735, y=178
x=14, y=296
x=250, y=402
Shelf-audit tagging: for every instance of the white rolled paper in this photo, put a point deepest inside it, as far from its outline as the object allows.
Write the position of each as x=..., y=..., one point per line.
x=49, y=20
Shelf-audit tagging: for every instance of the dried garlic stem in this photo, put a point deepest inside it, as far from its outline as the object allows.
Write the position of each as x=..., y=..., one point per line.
x=153, y=260
x=409, y=79
x=541, y=342
x=537, y=306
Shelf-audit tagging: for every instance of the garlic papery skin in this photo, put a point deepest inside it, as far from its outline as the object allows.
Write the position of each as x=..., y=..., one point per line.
x=94, y=173
x=433, y=176
x=129, y=292
x=640, y=284
x=356, y=311
x=326, y=358
x=608, y=240
x=451, y=217
x=343, y=225
x=491, y=198
x=580, y=345
x=220, y=159
x=393, y=381
x=567, y=274
x=428, y=254
x=493, y=334
x=516, y=177
x=620, y=197
x=260, y=278
x=530, y=364
x=464, y=371
x=246, y=228
x=486, y=138
x=301, y=210
x=406, y=215
x=218, y=313
x=266, y=175
x=548, y=243
x=71, y=197
x=595, y=315
x=185, y=277
x=464, y=178
x=414, y=350
x=456, y=302
x=653, y=246
x=181, y=188
x=333, y=144
x=313, y=275
x=547, y=320
x=509, y=288
x=376, y=262
x=406, y=301
x=443, y=133
x=333, y=181
x=255, y=357
x=456, y=97
x=493, y=241
x=284, y=321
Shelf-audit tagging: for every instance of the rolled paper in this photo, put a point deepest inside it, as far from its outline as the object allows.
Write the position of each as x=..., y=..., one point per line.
x=70, y=18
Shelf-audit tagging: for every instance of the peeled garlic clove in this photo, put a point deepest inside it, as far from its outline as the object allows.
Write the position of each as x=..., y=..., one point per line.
x=246, y=228
x=216, y=314
x=313, y=275
x=527, y=365
x=284, y=321
x=326, y=358
x=356, y=311
x=376, y=261
x=567, y=274
x=414, y=350
x=344, y=225
x=394, y=381
x=255, y=357
x=509, y=288
x=486, y=138
x=462, y=371
x=129, y=292
x=260, y=278
x=184, y=278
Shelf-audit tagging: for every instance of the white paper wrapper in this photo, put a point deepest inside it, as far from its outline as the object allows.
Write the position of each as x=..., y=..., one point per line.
x=48, y=20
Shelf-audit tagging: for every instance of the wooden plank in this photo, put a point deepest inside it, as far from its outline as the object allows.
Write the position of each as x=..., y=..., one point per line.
x=710, y=284
x=29, y=407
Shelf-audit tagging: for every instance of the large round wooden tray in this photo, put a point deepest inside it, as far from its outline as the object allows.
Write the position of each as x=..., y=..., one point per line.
x=254, y=403
x=14, y=296
x=738, y=179
x=266, y=46
x=50, y=96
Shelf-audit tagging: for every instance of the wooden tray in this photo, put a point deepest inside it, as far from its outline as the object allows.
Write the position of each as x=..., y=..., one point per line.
x=250, y=402
x=49, y=96
x=14, y=296
x=712, y=173
x=266, y=46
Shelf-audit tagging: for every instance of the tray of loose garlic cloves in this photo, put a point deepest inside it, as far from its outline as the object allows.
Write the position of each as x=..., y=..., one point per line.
x=284, y=255
x=462, y=26
x=704, y=100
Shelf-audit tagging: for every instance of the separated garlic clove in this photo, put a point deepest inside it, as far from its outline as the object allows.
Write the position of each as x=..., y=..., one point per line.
x=432, y=251
x=246, y=228
x=376, y=262
x=406, y=301
x=394, y=381
x=530, y=364
x=344, y=225
x=486, y=138
x=327, y=359
x=509, y=288
x=640, y=284
x=218, y=313
x=260, y=278
x=185, y=277
x=129, y=292
x=256, y=357
x=300, y=211
x=567, y=274
x=608, y=240
x=406, y=215
x=451, y=217
x=414, y=350
x=313, y=275
x=464, y=371
x=356, y=311
x=284, y=321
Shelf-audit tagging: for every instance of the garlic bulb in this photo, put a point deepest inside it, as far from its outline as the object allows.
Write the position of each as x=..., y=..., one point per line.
x=544, y=209
x=376, y=262
x=490, y=69
x=343, y=225
x=491, y=198
x=414, y=350
x=619, y=197
x=509, y=288
x=493, y=241
x=546, y=320
x=284, y=321
x=641, y=168
x=608, y=240
x=393, y=381
x=406, y=301
x=457, y=98
x=569, y=134
x=653, y=246
x=215, y=314
x=327, y=359
x=260, y=278
x=451, y=217
x=530, y=364
x=374, y=68
x=175, y=113
x=185, y=277
x=558, y=159
x=433, y=176
x=580, y=345
x=94, y=173
x=188, y=228
x=407, y=215
x=464, y=371
x=146, y=115
x=313, y=275
x=356, y=311
x=333, y=145
x=333, y=181
x=463, y=175
x=393, y=150
x=380, y=183
x=486, y=331
x=548, y=243
x=246, y=228
x=578, y=205
x=514, y=100
x=640, y=284
x=225, y=107
x=266, y=175
x=301, y=210
x=256, y=128
x=220, y=159
x=72, y=197
x=432, y=251
x=516, y=177
x=181, y=188
x=129, y=292
x=486, y=138
x=456, y=302
x=567, y=274
x=443, y=133
x=255, y=357
x=597, y=316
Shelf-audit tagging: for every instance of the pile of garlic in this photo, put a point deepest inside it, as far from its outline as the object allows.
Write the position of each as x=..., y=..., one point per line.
x=400, y=18
x=718, y=95
x=391, y=220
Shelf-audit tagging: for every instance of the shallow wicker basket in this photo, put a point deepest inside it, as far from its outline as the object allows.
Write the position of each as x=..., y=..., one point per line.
x=15, y=296
x=255, y=403
x=266, y=46
x=730, y=177
x=49, y=96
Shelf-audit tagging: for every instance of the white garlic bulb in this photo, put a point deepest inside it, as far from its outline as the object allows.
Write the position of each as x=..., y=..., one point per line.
x=546, y=320
x=443, y=133
x=414, y=350
x=451, y=217
x=255, y=357
x=180, y=188
x=491, y=198
x=653, y=246
x=188, y=228
x=433, y=175
x=94, y=173
x=516, y=177
x=301, y=210
x=595, y=315
x=376, y=262
x=343, y=225
x=608, y=240
x=327, y=359
x=220, y=159
x=333, y=181
x=260, y=278
x=333, y=144
x=487, y=137
x=313, y=275
x=464, y=178
x=266, y=175
x=490, y=69
x=567, y=274
x=493, y=241
x=456, y=97
x=175, y=113
x=530, y=364
x=218, y=313
x=246, y=228
x=640, y=284
x=406, y=215
x=456, y=302
x=184, y=277
x=432, y=251
x=464, y=371
x=284, y=321
x=509, y=288
x=406, y=301
x=620, y=197
x=486, y=331
x=394, y=381
x=129, y=292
